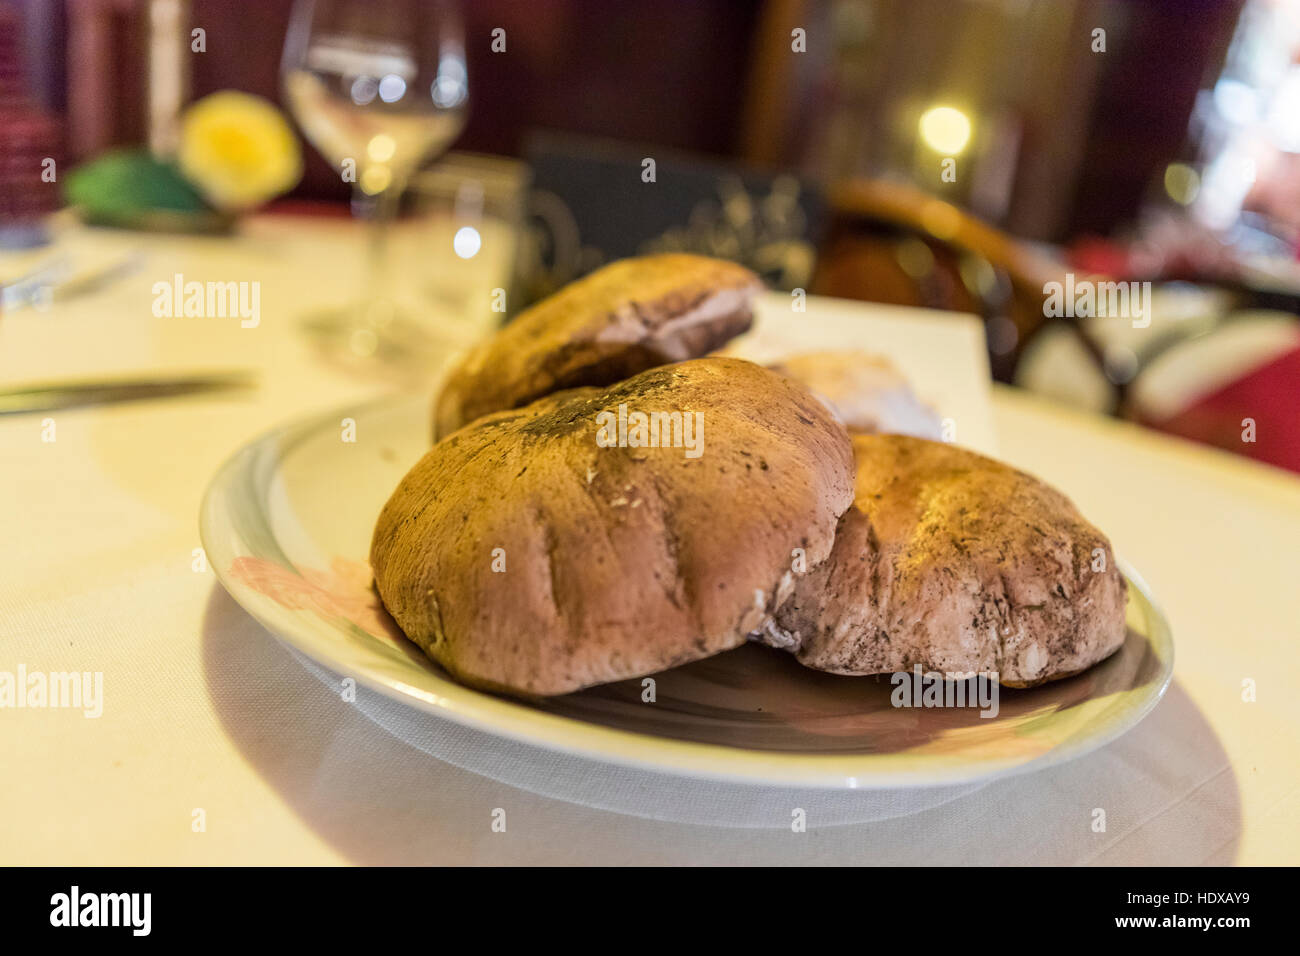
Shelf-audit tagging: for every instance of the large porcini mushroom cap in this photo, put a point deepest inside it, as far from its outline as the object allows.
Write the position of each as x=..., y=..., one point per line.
x=622, y=319
x=613, y=562
x=959, y=564
x=866, y=392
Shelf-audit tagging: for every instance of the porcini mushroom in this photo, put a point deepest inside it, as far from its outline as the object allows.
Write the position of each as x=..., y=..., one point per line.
x=622, y=319
x=959, y=564
x=527, y=557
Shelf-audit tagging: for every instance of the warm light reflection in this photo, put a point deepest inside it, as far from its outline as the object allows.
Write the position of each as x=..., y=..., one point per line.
x=1182, y=183
x=381, y=148
x=375, y=180
x=945, y=130
x=940, y=219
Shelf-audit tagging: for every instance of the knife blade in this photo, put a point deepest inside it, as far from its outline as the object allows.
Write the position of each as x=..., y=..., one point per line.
x=51, y=396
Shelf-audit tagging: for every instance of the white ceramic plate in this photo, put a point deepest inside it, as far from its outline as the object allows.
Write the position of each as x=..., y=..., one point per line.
x=286, y=524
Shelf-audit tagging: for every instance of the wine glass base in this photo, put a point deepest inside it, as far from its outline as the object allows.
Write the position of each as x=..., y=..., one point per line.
x=374, y=340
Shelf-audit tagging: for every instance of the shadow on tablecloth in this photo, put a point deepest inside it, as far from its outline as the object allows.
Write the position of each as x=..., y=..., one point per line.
x=382, y=796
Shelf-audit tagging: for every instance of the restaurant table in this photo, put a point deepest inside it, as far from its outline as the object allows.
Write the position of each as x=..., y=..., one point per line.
x=217, y=745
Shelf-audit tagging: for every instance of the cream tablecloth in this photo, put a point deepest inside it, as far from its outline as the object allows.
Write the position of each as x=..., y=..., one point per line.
x=204, y=711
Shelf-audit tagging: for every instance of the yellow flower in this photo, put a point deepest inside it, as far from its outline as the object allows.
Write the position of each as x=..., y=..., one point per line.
x=238, y=150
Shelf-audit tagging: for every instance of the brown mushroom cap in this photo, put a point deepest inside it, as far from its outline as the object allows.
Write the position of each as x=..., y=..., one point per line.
x=619, y=561
x=866, y=392
x=960, y=564
x=629, y=316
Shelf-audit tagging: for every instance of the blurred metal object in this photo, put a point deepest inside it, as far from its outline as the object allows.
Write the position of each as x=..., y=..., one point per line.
x=52, y=396
x=55, y=280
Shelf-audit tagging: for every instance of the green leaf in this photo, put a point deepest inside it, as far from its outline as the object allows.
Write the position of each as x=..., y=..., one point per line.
x=127, y=184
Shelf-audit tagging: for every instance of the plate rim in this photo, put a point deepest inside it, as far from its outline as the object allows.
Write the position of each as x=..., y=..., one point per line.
x=517, y=721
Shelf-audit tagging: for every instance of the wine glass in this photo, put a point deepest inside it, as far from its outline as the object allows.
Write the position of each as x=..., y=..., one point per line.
x=379, y=87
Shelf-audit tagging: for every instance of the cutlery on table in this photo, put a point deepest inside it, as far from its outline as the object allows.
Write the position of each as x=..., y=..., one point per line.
x=49, y=396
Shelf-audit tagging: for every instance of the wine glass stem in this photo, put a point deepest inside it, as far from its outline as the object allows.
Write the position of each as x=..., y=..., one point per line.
x=377, y=305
